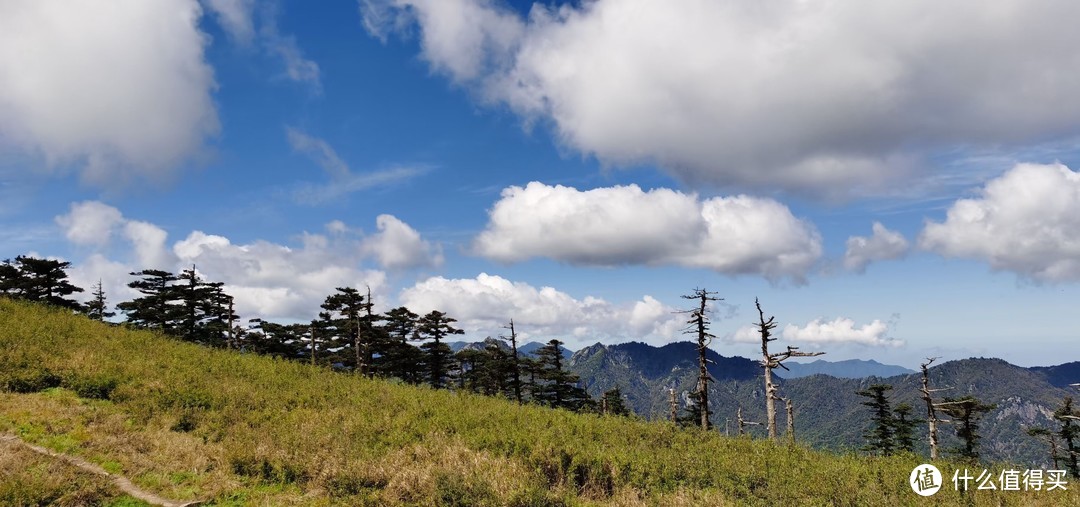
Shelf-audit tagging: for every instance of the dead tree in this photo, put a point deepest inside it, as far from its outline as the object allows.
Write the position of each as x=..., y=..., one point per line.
x=674, y=405
x=699, y=326
x=743, y=423
x=790, y=410
x=515, y=369
x=770, y=361
x=931, y=412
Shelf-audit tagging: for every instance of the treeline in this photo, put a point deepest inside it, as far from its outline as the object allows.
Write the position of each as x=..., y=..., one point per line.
x=346, y=335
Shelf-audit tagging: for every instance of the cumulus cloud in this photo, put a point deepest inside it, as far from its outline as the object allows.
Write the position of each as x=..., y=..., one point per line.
x=398, y=246
x=1026, y=221
x=90, y=223
x=487, y=302
x=830, y=97
x=118, y=88
x=268, y=280
x=882, y=245
x=626, y=225
x=342, y=180
x=841, y=330
x=819, y=332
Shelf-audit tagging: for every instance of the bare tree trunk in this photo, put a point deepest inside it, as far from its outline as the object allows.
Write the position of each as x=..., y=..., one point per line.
x=368, y=344
x=700, y=327
x=770, y=401
x=312, y=328
x=931, y=415
x=770, y=361
x=673, y=404
x=230, y=344
x=515, y=369
x=789, y=408
x=742, y=424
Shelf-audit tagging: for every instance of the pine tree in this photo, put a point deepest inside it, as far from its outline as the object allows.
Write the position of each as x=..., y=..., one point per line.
x=904, y=427
x=279, y=340
x=557, y=387
x=343, y=310
x=9, y=279
x=40, y=280
x=882, y=435
x=1070, y=434
x=97, y=308
x=156, y=309
x=435, y=326
x=966, y=413
x=612, y=403
x=402, y=359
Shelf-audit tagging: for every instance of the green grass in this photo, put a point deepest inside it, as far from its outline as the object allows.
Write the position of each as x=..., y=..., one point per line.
x=190, y=422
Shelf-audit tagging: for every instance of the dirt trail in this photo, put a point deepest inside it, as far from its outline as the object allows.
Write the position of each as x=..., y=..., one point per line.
x=121, y=482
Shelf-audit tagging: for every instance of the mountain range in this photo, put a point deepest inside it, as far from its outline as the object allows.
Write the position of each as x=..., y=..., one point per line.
x=828, y=412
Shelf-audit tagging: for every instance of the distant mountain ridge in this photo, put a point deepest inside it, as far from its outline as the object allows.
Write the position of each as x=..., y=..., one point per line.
x=828, y=412
x=528, y=349
x=850, y=368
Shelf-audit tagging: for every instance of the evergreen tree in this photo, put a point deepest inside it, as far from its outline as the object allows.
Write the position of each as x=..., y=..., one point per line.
x=1070, y=434
x=881, y=435
x=402, y=359
x=557, y=387
x=219, y=328
x=904, y=427
x=40, y=280
x=612, y=403
x=966, y=413
x=97, y=308
x=437, y=355
x=156, y=309
x=274, y=339
x=9, y=279
x=343, y=310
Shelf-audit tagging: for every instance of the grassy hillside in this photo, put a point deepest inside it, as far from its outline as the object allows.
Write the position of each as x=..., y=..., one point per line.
x=189, y=422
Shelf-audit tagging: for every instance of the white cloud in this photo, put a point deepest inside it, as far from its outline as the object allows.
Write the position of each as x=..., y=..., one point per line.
x=278, y=281
x=882, y=245
x=818, y=332
x=235, y=16
x=148, y=244
x=626, y=225
x=398, y=246
x=841, y=330
x=90, y=223
x=297, y=67
x=119, y=88
x=830, y=97
x=342, y=180
x=319, y=150
x=487, y=302
x=1026, y=221
x=267, y=280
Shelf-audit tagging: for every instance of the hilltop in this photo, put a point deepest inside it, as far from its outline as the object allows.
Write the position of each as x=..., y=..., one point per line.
x=191, y=422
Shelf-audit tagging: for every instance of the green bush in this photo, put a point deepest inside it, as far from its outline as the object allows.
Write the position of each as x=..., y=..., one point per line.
x=29, y=380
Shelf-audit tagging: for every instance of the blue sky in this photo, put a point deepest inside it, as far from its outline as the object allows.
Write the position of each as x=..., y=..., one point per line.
x=574, y=166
